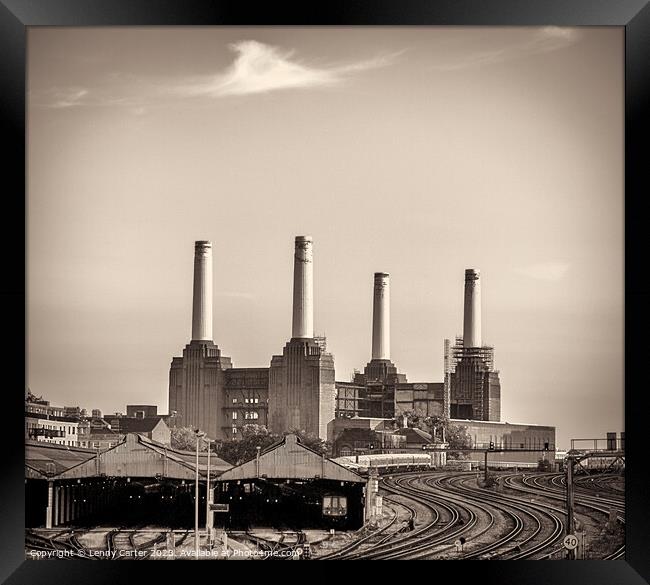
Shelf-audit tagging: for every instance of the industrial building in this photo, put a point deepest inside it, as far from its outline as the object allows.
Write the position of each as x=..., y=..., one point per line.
x=297, y=390
x=361, y=436
x=137, y=481
x=381, y=391
x=471, y=387
x=504, y=435
x=470, y=395
x=140, y=481
x=301, y=380
x=289, y=486
x=473, y=383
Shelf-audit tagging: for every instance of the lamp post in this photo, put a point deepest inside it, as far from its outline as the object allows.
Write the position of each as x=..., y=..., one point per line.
x=199, y=436
x=208, y=499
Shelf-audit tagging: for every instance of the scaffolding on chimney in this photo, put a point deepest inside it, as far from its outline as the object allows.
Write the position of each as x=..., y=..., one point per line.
x=454, y=353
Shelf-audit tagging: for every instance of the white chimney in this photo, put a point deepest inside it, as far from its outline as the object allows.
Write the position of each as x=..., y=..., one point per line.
x=472, y=320
x=202, y=301
x=303, y=288
x=381, y=317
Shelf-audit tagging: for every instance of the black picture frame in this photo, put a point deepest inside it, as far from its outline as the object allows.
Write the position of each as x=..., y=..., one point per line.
x=634, y=15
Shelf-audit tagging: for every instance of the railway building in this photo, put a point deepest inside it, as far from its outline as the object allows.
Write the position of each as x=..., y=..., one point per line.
x=140, y=481
x=137, y=481
x=289, y=486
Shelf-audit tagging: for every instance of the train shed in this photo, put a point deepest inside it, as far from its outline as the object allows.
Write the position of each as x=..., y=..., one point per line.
x=290, y=486
x=138, y=481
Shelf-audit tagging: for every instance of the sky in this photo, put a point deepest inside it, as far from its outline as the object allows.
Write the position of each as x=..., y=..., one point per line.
x=416, y=151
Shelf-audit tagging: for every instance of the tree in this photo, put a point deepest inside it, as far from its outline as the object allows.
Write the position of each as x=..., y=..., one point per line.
x=413, y=420
x=439, y=426
x=31, y=397
x=458, y=438
x=435, y=425
x=184, y=439
x=314, y=442
x=237, y=451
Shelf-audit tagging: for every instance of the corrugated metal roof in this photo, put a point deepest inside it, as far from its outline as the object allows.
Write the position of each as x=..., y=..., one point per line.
x=49, y=459
x=414, y=435
x=135, y=456
x=289, y=459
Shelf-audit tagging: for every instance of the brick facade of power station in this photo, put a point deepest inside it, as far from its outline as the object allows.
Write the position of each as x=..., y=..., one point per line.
x=301, y=388
x=298, y=390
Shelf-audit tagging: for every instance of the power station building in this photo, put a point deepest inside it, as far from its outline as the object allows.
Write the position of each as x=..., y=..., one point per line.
x=298, y=392
x=470, y=390
x=473, y=383
x=301, y=380
x=470, y=394
x=295, y=393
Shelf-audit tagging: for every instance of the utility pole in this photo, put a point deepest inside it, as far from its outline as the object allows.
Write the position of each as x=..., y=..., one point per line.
x=199, y=435
x=570, y=502
x=209, y=515
x=486, y=469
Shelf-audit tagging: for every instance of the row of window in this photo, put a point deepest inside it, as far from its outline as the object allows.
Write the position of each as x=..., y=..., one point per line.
x=247, y=400
x=247, y=415
x=509, y=442
x=70, y=429
x=96, y=444
x=57, y=442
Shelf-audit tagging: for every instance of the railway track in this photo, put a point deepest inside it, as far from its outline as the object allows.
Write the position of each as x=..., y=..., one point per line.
x=275, y=549
x=515, y=544
x=551, y=486
x=509, y=541
x=122, y=543
x=534, y=517
x=119, y=544
x=52, y=544
x=447, y=521
x=373, y=539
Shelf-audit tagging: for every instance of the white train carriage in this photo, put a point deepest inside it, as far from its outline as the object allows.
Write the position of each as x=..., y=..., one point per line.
x=387, y=462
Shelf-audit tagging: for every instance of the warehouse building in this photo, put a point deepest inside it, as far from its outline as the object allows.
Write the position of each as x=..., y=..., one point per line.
x=289, y=486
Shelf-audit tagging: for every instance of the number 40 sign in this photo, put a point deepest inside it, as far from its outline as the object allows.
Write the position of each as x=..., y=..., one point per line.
x=570, y=541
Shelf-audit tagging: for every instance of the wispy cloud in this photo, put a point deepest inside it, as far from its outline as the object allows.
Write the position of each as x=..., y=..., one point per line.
x=74, y=97
x=544, y=40
x=261, y=68
x=551, y=271
x=256, y=68
x=66, y=97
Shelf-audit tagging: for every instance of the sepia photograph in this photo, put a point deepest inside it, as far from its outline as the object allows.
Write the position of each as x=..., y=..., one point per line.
x=312, y=293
